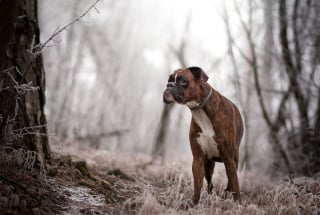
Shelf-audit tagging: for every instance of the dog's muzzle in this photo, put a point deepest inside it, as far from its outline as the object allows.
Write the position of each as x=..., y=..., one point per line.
x=168, y=97
x=168, y=93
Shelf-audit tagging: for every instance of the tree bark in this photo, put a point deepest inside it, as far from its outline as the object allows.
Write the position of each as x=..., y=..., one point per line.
x=22, y=80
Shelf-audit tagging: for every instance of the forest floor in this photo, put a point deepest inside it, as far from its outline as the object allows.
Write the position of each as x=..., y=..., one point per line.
x=83, y=180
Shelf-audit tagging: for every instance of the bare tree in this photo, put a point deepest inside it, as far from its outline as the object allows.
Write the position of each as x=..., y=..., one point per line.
x=97, y=108
x=293, y=123
x=301, y=66
x=162, y=132
x=22, y=81
x=243, y=94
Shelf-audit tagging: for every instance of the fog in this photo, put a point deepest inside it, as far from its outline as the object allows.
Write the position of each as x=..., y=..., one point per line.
x=90, y=121
x=106, y=73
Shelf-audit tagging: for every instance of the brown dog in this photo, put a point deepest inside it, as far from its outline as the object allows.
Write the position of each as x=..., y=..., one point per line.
x=216, y=127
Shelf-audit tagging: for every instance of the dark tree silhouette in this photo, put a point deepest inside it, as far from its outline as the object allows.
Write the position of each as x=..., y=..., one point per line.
x=22, y=81
x=293, y=119
x=300, y=57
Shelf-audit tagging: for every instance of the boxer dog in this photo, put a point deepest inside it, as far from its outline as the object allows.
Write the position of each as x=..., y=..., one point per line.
x=216, y=127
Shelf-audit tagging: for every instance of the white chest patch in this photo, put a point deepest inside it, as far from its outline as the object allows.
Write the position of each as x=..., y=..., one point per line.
x=192, y=104
x=206, y=139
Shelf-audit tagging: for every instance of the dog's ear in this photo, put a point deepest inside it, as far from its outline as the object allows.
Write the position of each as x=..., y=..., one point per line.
x=198, y=73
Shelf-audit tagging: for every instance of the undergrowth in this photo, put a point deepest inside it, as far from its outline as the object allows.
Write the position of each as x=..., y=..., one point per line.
x=167, y=188
x=24, y=188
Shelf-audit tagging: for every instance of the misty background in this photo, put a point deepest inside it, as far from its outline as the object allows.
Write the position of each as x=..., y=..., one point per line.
x=106, y=74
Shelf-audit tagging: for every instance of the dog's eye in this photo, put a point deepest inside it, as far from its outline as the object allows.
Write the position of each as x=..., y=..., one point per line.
x=183, y=82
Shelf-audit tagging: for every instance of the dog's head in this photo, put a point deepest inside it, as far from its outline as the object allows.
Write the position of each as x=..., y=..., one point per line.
x=184, y=86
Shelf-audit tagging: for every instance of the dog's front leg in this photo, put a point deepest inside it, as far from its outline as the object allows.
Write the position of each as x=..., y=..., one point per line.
x=198, y=175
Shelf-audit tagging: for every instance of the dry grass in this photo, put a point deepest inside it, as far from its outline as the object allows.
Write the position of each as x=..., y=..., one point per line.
x=122, y=183
x=172, y=194
x=23, y=189
x=166, y=188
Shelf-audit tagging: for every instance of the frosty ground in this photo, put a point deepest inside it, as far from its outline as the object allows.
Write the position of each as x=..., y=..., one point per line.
x=84, y=180
x=132, y=184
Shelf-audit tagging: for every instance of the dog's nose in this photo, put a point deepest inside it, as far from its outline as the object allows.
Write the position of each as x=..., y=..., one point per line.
x=170, y=84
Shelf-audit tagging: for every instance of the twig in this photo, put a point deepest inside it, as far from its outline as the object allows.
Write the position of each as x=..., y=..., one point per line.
x=58, y=31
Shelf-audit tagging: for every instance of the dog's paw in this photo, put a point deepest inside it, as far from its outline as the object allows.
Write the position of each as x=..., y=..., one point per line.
x=195, y=200
x=210, y=188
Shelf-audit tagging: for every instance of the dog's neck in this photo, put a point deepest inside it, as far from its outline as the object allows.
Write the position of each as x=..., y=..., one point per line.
x=197, y=106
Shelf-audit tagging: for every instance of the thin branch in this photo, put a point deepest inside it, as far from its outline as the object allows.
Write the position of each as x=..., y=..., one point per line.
x=244, y=25
x=231, y=53
x=297, y=47
x=58, y=31
x=231, y=40
x=280, y=116
x=254, y=64
x=96, y=9
x=290, y=68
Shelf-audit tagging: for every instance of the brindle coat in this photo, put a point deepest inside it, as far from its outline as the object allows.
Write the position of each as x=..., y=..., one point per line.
x=216, y=129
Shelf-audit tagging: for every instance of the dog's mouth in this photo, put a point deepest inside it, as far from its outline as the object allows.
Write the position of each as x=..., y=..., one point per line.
x=168, y=97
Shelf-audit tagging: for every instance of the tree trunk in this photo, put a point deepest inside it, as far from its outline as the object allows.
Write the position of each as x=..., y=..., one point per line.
x=159, y=146
x=22, y=81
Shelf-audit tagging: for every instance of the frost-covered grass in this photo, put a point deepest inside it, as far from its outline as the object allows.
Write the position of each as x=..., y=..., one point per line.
x=172, y=194
x=167, y=187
